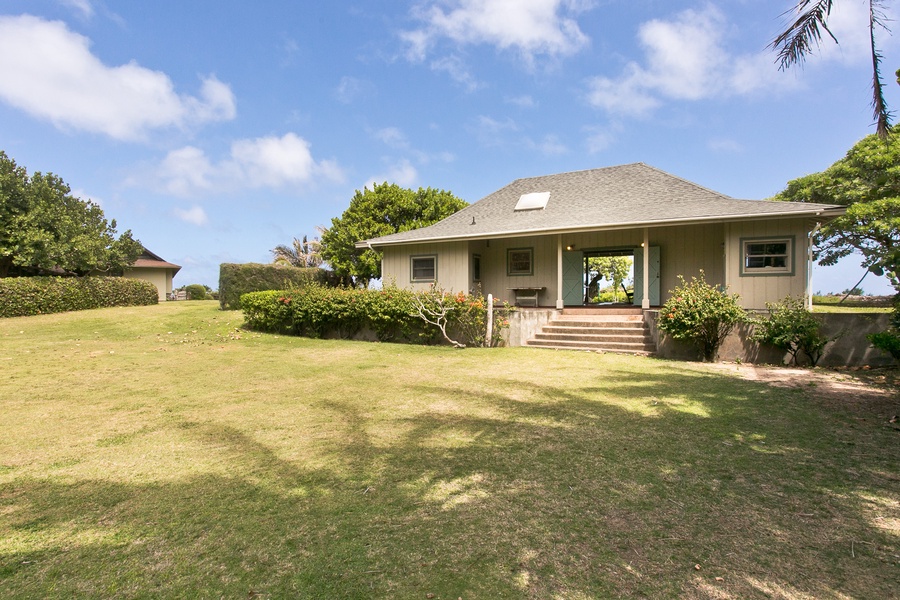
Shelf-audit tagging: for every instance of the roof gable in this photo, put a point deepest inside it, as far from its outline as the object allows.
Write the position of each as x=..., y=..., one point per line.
x=632, y=195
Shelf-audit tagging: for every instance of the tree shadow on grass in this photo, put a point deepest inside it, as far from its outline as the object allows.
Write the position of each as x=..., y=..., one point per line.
x=615, y=488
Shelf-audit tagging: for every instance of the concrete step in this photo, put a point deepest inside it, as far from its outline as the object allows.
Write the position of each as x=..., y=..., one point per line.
x=621, y=310
x=639, y=338
x=590, y=319
x=597, y=330
x=643, y=349
x=566, y=327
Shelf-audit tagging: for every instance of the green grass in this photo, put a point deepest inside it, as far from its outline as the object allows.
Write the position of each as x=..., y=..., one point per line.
x=833, y=304
x=162, y=452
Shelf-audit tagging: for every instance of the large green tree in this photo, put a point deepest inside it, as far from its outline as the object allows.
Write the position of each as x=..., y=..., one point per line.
x=803, y=36
x=867, y=182
x=43, y=228
x=385, y=209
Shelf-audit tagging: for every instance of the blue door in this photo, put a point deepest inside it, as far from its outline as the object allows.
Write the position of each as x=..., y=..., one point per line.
x=573, y=278
x=639, y=275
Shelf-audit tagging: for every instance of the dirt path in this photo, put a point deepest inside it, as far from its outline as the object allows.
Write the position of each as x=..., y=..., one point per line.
x=875, y=391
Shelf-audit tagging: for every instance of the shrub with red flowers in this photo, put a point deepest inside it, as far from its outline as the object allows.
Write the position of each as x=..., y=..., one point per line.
x=391, y=313
x=702, y=314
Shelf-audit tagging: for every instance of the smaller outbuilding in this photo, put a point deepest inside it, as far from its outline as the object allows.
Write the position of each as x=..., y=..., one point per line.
x=154, y=269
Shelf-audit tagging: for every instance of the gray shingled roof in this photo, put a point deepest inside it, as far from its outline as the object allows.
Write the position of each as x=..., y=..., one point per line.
x=634, y=195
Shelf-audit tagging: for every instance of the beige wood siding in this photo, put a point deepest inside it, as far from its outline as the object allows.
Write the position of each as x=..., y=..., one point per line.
x=494, y=279
x=714, y=248
x=686, y=251
x=161, y=278
x=453, y=261
x=756, y=290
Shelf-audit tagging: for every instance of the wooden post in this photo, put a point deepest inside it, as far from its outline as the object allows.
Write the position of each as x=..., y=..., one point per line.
x=490, y=321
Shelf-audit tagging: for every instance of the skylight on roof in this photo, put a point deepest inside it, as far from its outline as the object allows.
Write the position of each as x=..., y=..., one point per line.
x=533, y=201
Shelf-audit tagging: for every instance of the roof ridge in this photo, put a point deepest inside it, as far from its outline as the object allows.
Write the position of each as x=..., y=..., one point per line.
x=687, y=181
x=606, y=168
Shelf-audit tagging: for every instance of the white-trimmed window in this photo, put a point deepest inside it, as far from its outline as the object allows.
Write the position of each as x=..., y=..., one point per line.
x=423, y=268
x=520, y=261
x=476, y=267
x=768, y=256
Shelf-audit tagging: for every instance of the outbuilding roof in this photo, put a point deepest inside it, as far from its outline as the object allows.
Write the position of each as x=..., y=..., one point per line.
x=625, y=196
x=149, y=260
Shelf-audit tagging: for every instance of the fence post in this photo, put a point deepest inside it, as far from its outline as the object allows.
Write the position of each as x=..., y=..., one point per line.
x=490, y=321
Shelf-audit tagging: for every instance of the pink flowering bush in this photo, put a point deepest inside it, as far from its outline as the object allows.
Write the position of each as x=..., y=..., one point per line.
x=701, y=314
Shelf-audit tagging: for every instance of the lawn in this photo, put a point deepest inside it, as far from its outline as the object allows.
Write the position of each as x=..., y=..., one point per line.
x=163, y=452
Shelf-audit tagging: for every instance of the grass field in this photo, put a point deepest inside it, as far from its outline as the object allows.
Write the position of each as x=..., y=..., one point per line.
x=163, y=452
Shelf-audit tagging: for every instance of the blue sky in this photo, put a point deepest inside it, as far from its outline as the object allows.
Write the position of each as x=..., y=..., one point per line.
x=217, y=129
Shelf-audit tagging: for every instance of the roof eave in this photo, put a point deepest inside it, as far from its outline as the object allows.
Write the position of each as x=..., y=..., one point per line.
x=827, y=213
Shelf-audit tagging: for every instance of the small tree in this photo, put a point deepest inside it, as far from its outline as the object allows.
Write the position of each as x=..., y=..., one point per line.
x=304, y=253
x=791, y=327
x=195, y=291
x=702, y=314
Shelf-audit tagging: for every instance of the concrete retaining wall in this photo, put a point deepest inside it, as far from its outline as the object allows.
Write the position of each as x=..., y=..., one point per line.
x=850, y=348
x=524, y=323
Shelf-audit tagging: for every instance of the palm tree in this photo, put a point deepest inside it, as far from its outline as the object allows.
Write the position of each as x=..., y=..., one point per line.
x=805, y=34
x=299, y=254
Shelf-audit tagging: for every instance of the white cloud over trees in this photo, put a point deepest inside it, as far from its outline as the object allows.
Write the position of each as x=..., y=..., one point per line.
x=272, y=162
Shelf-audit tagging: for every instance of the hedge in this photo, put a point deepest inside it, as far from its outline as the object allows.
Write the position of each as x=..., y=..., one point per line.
x=235, y=280
x=389, y=313
x=318, y=311
x=25, y=296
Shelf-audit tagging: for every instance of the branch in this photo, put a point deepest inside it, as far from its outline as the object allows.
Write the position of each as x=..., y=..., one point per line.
x=435, y=316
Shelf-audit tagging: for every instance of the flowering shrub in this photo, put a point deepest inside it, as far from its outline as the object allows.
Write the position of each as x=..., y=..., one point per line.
x=792, y=328
x=702, y=314
x=391, y=313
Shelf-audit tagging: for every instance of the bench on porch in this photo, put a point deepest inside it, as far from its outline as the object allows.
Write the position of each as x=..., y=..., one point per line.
x=527, y=294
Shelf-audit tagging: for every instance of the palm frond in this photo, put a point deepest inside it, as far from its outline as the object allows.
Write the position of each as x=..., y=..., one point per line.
x=879, y=106
x=804, y=34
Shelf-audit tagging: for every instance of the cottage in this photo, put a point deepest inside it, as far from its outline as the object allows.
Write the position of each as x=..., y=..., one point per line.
x=528, y=243
x=154, y=269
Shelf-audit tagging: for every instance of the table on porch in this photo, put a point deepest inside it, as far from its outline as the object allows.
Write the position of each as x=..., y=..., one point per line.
x=527, y=294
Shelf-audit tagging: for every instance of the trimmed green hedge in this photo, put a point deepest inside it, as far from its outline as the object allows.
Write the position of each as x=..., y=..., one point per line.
x=235, y=280
x=317, y=311
x=25, y=296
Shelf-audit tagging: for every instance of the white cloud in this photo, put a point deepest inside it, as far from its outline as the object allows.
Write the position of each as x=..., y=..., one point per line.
x=524, y=101
x=266, y=162
x=393, y=137
x=350, y=89
x=187, y=171
x=403, y=173
x=685, y=58
x=550, y=145
x=528, y=27
x=598, y=140
x=457, y=70
x=83, y=195
x=49, y=72
x=491, y=132
x=194, y=215
x=83, y=7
